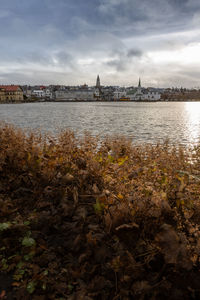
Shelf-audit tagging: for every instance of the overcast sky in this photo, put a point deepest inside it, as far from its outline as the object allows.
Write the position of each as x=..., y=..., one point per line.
x=71, y=41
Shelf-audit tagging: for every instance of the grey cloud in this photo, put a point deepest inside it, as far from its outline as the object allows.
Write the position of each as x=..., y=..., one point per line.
x=35, y=57
x=134, y=53
x=38, y=77
x=192, y=4
x=58, y=59
x=5, y=13
x=64, y=58
x=133, y=17
x=123, y=59
x=118, y=64
x=96, y=44
x=83, y=38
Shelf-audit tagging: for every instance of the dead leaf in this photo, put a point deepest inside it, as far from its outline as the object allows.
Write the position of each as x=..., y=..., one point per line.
x=75, y=195
x=3, y=295
x=140, y=287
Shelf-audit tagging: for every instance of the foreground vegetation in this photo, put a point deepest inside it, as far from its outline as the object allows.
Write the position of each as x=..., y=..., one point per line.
x=81, y=219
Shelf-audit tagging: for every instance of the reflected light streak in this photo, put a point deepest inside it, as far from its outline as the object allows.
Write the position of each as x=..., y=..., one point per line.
x=193, y=122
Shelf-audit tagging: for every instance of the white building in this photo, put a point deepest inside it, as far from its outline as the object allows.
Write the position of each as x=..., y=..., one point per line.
x=152, y=95
x=145, y=94
x=38, y=93
x=48, y=93
x=119, y=93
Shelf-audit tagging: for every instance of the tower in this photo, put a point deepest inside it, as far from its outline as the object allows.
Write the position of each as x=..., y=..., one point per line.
x=139, y=89
x=98, y=85
x=139, y=84
x=97, y=92
x=139, y=94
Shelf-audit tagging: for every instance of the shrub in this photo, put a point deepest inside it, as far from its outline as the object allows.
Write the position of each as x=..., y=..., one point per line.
x=88, y=219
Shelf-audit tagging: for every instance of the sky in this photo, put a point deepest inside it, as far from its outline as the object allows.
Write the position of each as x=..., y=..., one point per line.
x=69, y=42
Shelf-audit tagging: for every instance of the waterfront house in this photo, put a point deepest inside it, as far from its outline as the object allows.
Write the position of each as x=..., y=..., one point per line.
x=11, y=93
x=38, y=93
x=2, y=95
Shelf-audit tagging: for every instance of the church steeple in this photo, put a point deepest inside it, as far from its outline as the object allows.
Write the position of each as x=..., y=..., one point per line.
x=98, y=85
x=139, y=84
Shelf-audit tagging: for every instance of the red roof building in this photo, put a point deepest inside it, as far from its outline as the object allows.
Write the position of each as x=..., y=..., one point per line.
x=11, y=93
x=11, y=88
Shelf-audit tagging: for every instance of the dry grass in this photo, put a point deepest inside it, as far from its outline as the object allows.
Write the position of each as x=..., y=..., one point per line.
x=123, y=220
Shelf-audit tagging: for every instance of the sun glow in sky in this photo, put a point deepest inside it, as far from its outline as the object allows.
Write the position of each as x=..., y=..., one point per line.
x=70, y=42
x=189, y=55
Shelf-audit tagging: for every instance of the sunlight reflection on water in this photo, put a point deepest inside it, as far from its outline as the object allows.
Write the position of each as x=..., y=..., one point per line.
x=193, y=120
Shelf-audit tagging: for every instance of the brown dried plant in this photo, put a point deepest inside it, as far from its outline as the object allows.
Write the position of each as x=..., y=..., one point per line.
x=83, y=218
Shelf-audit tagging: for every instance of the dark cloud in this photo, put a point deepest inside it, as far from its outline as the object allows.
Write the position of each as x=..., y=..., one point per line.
x=133, y=17
x=134, y=53
x=123, y=59
x=117, y=64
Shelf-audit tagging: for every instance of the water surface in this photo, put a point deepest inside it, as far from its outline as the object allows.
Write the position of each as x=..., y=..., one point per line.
x=143, y=122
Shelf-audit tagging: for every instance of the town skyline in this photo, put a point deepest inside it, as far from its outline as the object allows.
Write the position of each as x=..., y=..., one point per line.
x=69, y=42
x=95, y=83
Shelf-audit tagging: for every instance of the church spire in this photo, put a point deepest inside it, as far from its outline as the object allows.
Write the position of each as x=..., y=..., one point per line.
x=139, y=84
x=98, y=85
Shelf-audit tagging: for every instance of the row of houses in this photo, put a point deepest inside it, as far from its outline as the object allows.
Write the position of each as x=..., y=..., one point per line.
x=110, y=93
x=137, y=94
x=15, y=93
x=95, y=93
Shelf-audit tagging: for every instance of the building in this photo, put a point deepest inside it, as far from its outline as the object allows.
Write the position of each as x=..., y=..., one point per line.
x=27, y=91
x=74, y=94
x=38, y=93
x=119, y=93
x=152, y=94
x=48, y=93
x=149, y=94
x=81, y=93
x=2, y=95
x=11, y=93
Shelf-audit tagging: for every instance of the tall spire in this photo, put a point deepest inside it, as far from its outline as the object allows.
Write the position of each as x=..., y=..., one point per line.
x=139, y=84
x=98, y=85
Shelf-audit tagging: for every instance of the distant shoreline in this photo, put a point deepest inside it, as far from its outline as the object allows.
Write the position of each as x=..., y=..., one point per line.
x=94, y=101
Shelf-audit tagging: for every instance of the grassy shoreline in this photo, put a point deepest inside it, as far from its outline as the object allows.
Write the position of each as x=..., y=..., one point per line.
x=83, y=221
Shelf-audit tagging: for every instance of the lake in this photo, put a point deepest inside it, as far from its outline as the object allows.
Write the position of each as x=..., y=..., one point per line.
x=142, y=122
